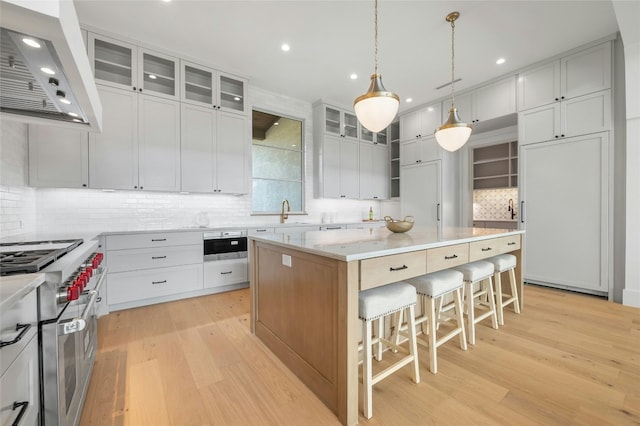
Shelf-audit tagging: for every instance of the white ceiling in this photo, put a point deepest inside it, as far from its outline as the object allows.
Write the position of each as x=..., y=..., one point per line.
x=332, y=39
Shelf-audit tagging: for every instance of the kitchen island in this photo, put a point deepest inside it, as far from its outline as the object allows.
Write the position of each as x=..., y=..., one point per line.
x=304, y=290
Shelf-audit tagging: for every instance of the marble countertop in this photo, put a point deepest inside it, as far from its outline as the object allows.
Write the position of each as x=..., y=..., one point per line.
x=15, y=287
x=358, y=244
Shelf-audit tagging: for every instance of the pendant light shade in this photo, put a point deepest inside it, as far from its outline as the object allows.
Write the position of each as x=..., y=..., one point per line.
x=377, y=108
x=454, y=133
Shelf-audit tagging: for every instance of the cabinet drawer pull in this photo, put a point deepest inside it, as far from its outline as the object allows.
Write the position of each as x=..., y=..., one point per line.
x=159, y=282
x=23, y=409
x=261, y=230
x=486, y=249
x=511, y=243
x=158, y=257
x=455, y=256
x=398, y=269
x=226, y=273
x=24, y=328
x=158, y=239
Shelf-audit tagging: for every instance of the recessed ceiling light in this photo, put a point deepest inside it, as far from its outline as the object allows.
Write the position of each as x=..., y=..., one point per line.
x=408, y=100
x=77, y=120
x=430, y=109
x=354, y=76
x=166, y=1
x=73, y=114
x=47, y=71
x=65, y=101
x=500, y=61
x=237, y=98
x=285, y=47
x=152, y=76
x=31, y=42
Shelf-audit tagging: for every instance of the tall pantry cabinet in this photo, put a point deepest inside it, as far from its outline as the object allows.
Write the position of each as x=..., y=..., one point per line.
x=565, y=168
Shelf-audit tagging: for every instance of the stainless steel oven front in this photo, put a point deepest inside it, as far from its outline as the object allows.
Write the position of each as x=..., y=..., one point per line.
x=69, y=345
x=220, y=245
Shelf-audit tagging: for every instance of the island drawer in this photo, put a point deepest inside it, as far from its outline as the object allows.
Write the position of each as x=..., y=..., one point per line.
x=487, y=248
x=389, y=269
x=447, y=257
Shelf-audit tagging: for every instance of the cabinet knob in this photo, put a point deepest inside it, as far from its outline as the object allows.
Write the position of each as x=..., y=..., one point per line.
x=136, y=187
x=343, y=196
x=84, y=185
x=140, y=89
x=562, y=136
x=561, y=97
x=134, y=88
x=141, y=188
x=557, y=99
x=557, y=136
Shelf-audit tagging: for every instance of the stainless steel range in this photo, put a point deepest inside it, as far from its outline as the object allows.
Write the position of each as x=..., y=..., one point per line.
x=67, y=319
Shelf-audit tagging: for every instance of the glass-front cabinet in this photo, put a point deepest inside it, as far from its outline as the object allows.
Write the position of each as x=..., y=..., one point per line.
x=119, y=64
x=375, y=138
x=207, y=87
x=340, y=123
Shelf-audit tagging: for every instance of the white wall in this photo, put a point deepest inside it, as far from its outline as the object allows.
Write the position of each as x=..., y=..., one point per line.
x=17, y=201
x=73, y=210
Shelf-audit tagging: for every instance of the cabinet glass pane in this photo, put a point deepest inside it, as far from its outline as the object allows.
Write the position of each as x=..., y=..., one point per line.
x=198, y=85
x=113, y=63
x=381, y=137
x=332, y=121
x=159, y=74
x=366, y=135
x=395, y=188
x=231, y=94
x=350, y=125
x=394, y=128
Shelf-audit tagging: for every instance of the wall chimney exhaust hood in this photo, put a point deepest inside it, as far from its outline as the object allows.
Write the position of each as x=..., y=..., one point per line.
x=45, y=75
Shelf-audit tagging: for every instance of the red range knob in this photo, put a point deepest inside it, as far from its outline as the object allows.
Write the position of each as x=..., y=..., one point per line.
x=89, y=271
x=73, y=293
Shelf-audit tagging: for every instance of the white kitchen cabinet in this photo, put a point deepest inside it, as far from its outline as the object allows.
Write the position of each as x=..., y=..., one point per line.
x=225, y=272
x=213, y=151
x=210, y=88
x=565, y=209
x=338, y=169
x=573, y=117
x=19, y=380
x=336, y=121
x=158, y=144
x=146, y=268
x=420, y=151
x=367, y=225
x=129, y=67
x=493, y=100
x=578, y=74
x=58, y=157
x=113, y=153
x=373, y=172
x=420, y=123
x=139, y=146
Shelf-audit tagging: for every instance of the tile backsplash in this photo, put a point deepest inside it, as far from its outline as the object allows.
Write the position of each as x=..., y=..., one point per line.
x=493, y=204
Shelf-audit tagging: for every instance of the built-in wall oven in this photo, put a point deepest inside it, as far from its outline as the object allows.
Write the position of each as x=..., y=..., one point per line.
x=225, y=259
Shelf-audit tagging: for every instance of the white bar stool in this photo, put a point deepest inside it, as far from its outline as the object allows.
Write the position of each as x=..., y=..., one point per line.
x=503, y=263
x=431, y=289
x=478, y=272
x=375, y=304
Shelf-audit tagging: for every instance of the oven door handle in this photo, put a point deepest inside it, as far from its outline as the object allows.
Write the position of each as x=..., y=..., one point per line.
x=73, y=325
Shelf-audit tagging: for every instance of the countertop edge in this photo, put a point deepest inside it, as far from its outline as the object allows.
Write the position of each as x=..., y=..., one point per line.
x=15, y=287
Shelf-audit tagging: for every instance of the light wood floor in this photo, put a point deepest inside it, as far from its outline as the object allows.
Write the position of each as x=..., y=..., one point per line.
x=567, y=359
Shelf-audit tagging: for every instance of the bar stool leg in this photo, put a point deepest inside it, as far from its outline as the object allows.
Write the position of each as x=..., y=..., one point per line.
x=367, y=374
x=413, y=343
x=380, y=322
x=431, y=315
x=468, y=287
x=457, y=300
x=514, y=290
x=492, y=302
x=498, y=281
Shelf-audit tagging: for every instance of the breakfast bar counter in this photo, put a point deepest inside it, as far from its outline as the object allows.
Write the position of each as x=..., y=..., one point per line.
x=304, y=291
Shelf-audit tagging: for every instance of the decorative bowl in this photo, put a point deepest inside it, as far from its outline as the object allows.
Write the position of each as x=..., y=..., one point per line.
x=394, y=225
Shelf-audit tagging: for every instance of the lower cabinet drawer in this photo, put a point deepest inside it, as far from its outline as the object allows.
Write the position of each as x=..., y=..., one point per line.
x=18, y=323
x=138, y=285
x=447, y=257
x=148, y=258
x=389, y=269
x=19, y=387
x=225, y=272
x=484, y=249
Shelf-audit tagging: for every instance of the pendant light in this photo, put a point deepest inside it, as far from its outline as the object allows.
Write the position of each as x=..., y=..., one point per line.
x=377, y=108
x=454, y=132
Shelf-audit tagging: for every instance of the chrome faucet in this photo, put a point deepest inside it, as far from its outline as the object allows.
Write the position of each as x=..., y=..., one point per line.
x=283, y=215
x=511, y=208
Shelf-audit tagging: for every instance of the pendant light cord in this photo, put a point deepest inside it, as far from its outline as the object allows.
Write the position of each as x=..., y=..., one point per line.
x=453, y=67
x=375, y=32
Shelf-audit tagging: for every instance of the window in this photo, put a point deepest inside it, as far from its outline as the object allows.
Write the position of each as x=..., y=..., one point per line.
x=278, y=163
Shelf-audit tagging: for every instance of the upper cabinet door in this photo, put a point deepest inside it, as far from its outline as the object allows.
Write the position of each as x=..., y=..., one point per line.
x=539, y=86
x=586, y=71
x=114, y=63
x=198, y=84
x=158, y=74
x=495, y=100
x=232, y=96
